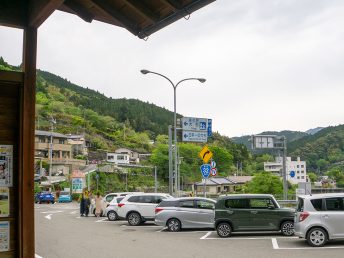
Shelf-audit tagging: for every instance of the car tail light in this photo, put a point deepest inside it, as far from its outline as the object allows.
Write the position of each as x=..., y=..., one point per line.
x=157, y=210
x=120, y=205
x=303, y=215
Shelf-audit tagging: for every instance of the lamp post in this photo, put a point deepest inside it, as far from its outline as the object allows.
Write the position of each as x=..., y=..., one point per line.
x=174, y=117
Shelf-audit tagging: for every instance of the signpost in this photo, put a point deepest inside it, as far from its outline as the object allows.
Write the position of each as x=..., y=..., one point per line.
x=205, y=170
x=196, y=129
x=192, y=136
x=205, y=154
x=274, y=142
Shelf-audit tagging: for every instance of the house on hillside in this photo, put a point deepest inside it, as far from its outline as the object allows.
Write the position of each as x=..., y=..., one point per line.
x=118, y=158
x=239, y=180
x=215, y=186
x=79, y=144
x=61, y=157
x=134, y=156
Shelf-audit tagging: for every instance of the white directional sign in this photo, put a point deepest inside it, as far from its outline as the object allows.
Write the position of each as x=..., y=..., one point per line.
x=194, y=136
x=194, y=124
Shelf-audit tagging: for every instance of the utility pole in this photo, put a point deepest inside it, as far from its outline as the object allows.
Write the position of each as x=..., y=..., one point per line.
x=285, y=182
x=170, y=172
x=52, y=122
x=155, y=180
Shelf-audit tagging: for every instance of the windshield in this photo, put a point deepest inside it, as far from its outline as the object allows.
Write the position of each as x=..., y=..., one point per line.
x=64, y=193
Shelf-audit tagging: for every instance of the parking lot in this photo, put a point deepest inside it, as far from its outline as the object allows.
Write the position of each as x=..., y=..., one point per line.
x=61, y=232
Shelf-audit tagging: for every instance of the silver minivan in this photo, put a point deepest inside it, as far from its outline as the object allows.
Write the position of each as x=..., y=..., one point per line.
x=320, y=218
x=187, y=212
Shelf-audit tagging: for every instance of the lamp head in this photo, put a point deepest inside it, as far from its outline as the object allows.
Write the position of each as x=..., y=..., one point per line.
x=143, y=71
x=202, y=80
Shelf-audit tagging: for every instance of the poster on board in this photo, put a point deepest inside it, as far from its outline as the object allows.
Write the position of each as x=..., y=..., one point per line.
x=4, y=202
x=6, y=165
x=4, y=236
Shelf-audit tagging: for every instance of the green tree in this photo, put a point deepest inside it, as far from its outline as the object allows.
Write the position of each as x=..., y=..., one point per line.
x=265, y=183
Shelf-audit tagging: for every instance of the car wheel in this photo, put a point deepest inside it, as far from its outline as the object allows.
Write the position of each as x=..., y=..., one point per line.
x=134, y=219
x=317, y=237
x=287, y=228
x=174, y=225
x=224, y=229
x=112, y=216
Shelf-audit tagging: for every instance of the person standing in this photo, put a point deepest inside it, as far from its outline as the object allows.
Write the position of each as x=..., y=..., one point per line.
x=98, y=200
x=82, y=205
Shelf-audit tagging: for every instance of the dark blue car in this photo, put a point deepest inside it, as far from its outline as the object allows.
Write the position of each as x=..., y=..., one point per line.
x=45, y=197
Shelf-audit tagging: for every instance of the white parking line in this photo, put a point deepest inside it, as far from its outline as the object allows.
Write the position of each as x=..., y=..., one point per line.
x=276, y=246
x=37, y=256
x=206, y=235
x=50, y=212
x=101, y=220
x=48, y=216
x=140, y=226
x=73, y=212
x=274, y=243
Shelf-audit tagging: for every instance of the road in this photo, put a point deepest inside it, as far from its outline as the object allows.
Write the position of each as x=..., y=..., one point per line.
x=61, y=233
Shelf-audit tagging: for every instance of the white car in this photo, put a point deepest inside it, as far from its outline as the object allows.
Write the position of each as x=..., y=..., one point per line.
x=106, y=201
x=112, y=209
x=138, y=208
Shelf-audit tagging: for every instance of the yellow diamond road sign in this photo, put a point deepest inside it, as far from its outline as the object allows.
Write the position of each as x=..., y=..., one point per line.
x=205, y=154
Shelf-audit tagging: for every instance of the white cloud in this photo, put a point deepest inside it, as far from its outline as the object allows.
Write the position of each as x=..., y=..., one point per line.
x=269, y=65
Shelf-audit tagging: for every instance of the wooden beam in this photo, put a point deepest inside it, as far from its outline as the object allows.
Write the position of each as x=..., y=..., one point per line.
x=110, y=10
x=80, y=10
x=26, y=223
x=174, y=4
x=40, y=10
x=141, y=8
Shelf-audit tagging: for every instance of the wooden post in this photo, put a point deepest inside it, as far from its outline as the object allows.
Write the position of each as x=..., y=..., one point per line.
x=26, y=146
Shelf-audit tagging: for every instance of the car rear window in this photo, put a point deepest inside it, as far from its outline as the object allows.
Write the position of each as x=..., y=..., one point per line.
x=236, y=203
x=317, y=204
x=119, y=199
x=300, y=205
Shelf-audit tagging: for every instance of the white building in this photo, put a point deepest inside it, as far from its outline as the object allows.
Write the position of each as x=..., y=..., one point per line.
x=118, y=158
x=296, y=170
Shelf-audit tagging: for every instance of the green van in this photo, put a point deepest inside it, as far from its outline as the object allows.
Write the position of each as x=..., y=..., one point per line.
x=252, y=212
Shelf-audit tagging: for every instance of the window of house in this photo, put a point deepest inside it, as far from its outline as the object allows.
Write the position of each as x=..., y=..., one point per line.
x=61, y=141
x=111, y=157
x=41, y=139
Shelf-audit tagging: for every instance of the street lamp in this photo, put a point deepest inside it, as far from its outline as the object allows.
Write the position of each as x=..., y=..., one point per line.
x=175, y=115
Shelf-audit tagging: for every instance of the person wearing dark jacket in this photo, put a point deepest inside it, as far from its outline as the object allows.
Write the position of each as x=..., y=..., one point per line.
x=82, y=205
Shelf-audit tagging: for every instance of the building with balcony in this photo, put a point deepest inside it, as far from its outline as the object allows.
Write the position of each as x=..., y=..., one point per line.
x=50, y=141
x=296, y=170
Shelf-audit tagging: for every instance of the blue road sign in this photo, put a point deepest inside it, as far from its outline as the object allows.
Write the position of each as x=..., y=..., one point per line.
x=210, y=133
x=213, y=164
x=292, y=173
x=213, y=171
x=205, y=170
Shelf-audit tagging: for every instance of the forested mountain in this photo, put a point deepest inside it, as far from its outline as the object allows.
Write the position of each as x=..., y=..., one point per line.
x=142, y=116
x=290, y=135
x=323, y=150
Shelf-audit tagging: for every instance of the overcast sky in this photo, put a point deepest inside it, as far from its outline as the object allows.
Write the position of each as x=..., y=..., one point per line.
x=269, y=65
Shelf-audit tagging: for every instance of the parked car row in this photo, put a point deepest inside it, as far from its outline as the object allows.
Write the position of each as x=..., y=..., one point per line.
x=318, y=218
x=49, y=197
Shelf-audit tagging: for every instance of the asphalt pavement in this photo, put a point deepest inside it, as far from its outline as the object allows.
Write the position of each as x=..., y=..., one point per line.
x=60, y=232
